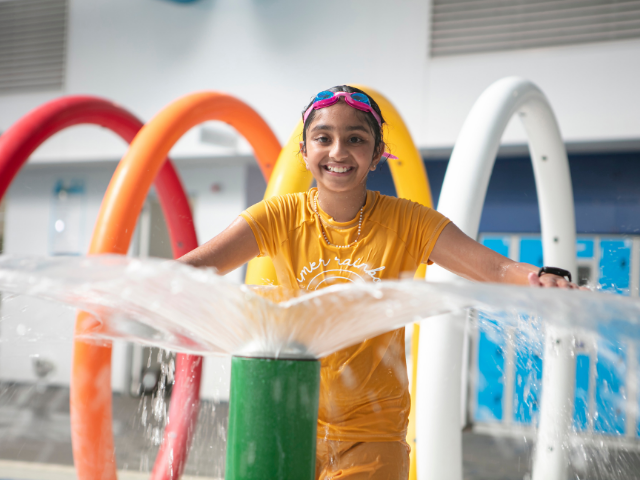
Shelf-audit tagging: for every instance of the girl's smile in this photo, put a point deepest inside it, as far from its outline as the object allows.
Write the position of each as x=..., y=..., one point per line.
x=337, y=169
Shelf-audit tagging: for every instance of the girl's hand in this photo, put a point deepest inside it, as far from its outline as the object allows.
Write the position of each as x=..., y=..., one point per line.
x=549, y=280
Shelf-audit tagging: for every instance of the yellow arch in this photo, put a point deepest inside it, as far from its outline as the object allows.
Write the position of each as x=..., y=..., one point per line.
x=410, y=179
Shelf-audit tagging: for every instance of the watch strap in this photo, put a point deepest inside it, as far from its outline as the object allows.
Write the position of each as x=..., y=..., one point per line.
x=561, y=272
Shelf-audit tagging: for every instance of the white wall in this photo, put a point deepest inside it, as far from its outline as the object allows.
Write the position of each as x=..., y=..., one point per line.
x=592, y=88
x=218, y=195
x=276, y=54
x=273, y=54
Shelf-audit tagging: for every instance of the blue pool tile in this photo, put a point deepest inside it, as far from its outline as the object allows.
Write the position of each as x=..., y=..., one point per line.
x=581, y=404
x=531, y=251
x=611, y=371
x=498, y=244
x=528, y=383
x=615, y=262
x=585, y=248
x=490, y=373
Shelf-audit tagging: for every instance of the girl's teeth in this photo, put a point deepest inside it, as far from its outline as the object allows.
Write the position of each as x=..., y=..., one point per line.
x=338, y=169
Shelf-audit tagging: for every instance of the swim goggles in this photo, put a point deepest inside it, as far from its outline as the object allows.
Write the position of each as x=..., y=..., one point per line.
x=356, y=100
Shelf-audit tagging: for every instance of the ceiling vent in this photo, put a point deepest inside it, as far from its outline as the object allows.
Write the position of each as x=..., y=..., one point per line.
x=32, y=45
x=475, y=26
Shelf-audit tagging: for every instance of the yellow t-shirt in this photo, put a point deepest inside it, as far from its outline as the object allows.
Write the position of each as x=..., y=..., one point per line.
x=364, y=393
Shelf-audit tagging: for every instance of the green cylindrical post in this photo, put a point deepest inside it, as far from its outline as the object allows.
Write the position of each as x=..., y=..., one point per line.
x=273, y=415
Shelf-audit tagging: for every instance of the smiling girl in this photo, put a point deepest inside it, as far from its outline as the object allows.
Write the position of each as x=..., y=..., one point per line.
x=341, y=232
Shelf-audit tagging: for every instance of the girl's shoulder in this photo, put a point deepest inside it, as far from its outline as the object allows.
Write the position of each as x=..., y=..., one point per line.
x=291, y=208
x=387, y=202
x=400, y=213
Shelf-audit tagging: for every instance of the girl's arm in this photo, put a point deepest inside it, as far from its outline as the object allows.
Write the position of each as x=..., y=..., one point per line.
x=227, y=251
x=465, y=257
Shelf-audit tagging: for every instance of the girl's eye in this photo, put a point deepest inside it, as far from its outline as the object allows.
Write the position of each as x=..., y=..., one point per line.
x=322, y=139
x=355, y=140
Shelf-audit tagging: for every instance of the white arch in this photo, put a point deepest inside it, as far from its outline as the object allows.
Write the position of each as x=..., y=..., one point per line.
x=440, y=359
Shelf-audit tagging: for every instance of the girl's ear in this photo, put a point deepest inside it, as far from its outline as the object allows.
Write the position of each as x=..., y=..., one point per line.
x=377, y=156
x=303, y=152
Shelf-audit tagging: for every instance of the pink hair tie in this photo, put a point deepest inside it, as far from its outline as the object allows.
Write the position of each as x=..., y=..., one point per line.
x=388, y=156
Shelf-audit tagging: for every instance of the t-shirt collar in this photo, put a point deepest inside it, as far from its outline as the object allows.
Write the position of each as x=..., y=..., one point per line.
x=370, y=202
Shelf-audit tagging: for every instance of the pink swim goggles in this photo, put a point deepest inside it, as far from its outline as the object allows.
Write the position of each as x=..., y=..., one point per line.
x=357, y=100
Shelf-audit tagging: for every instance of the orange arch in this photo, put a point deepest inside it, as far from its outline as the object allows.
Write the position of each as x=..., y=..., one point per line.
x=123, y=201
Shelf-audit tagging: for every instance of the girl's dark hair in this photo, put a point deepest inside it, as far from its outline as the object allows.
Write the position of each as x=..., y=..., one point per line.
x=371, y=121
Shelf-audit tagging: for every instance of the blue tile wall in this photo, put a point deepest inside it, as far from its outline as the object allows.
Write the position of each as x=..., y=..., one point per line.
x=528, y=383
x=611, y=371
x=610, y=362
x=490, y=374
x=528, y=361
x=581, y=404
x=491, y=360
x=531, y=251
x=615, y=259
x=584, y=248
x=498, y=244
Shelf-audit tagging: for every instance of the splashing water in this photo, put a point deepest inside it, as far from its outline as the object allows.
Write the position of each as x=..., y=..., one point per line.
x=174, y=306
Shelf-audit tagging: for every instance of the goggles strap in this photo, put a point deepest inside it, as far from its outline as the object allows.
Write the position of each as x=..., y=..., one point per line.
x=334, y=99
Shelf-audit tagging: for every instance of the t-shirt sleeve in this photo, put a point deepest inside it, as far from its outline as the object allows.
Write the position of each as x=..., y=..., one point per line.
x=264, y=219
x=426, y=226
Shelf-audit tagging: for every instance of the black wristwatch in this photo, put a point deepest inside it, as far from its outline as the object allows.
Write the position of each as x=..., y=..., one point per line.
x=561, y=272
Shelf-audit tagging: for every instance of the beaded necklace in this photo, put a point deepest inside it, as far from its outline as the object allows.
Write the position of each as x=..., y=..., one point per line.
x=315, y=209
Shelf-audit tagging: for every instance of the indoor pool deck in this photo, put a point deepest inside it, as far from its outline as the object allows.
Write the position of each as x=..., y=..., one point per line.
x=35, y=443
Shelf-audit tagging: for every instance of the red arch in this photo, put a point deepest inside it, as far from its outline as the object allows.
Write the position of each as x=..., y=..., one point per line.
x=19, y=142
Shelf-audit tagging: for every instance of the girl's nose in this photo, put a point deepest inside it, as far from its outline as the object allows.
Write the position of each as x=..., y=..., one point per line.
x=339, y=150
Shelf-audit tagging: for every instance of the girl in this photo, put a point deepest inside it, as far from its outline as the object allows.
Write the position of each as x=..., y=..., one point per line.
x=341, y=232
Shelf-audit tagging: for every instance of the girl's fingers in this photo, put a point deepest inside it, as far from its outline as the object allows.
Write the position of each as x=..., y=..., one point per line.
x=534, y=280
x=550, y=281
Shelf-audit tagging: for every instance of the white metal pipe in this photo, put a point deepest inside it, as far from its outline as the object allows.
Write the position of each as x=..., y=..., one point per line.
x=556, y=409
x=439, y=441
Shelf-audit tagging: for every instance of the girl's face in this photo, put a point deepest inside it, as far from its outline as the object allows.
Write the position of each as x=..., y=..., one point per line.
x=340, y=148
